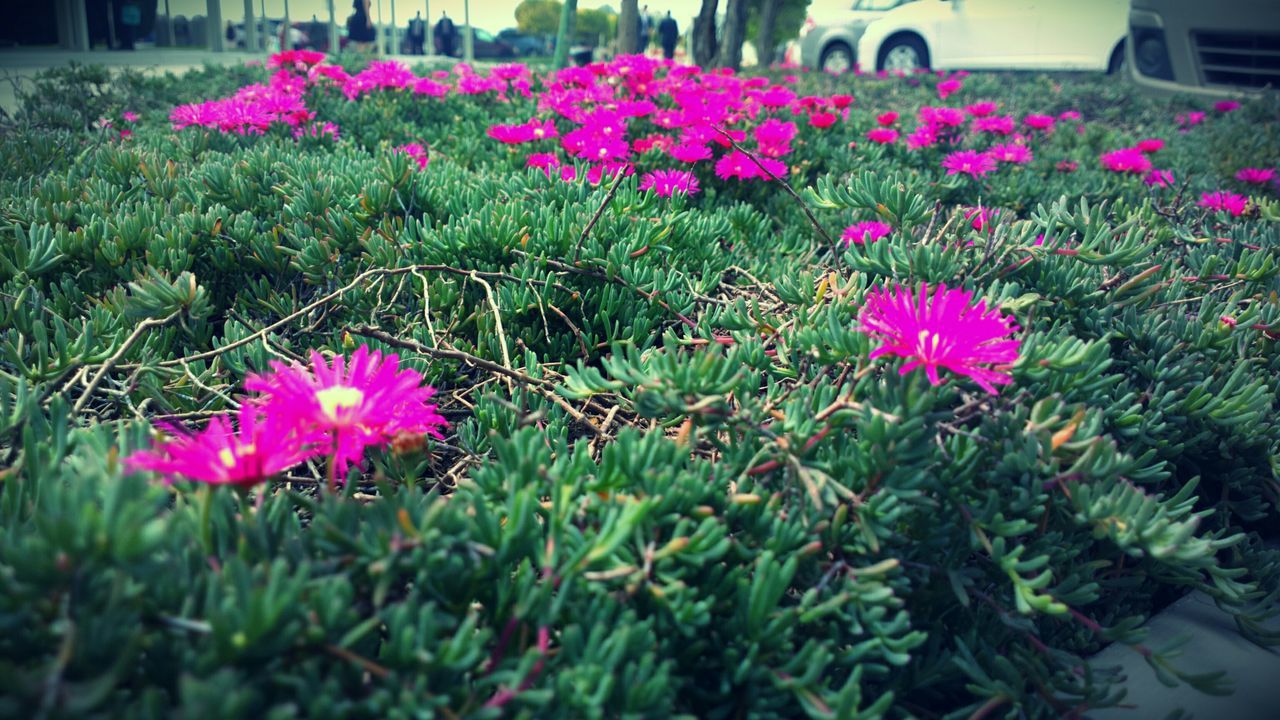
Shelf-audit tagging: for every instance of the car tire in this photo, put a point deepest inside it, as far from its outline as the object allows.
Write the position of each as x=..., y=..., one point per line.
x=904, y=52
x=836, y=58
x=1117, y=61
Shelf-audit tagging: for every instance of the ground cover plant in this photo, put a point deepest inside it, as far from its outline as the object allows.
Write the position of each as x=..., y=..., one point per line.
x=336, y=389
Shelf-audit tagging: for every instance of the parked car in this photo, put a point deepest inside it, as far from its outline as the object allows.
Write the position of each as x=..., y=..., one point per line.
x=1212, y=49
x=525, y=45
x=831, y=32
x=998, y=35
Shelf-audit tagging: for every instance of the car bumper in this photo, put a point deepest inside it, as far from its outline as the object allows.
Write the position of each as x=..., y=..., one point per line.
x=810, y=50
x=1208, y=46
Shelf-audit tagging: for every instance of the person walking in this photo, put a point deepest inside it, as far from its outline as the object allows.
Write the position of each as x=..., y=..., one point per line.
x=669, y=35
x=445, y=35
x=417, y=34
x=360, y=32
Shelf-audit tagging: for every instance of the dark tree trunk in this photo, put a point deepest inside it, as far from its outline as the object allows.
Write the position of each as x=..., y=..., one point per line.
x=764, y=38
x=704, y=34
x=629, y=27
x=735, y=32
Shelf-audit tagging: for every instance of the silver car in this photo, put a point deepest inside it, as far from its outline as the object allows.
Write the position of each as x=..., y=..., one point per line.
x=830, y=35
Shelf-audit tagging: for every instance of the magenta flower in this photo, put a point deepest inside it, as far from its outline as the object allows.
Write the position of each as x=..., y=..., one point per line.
x=263, y=446
x=1255, y=176
x=415, y=151
x=690, y=153
x=882, y=135
x=822, y=119
x=1223, y=201
x=867, y=231
x=362, y=404
x=1014, y=153
x=922, y=137
x=968, y=162
x=1126, y=160
x=995, y=125
x=1159, y=178
x=1225, y=106
x=887, y=119
x=737, y=165
x=665, y=183
x=949, y=87
x=941, y=329
x=1039, y=122
x=981, y=109
x=130, y=116
x=1150, y=145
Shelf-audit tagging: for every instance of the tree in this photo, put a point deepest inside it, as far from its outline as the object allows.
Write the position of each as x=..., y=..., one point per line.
x=735, y=33
x=772, y=20
x=592, y=24
x=538, y=17
x=564, y=35
x=704, y=34
x=629, y=27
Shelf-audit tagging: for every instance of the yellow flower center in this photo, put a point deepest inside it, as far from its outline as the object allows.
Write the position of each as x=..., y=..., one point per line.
x=228, y=456
x=338, y=397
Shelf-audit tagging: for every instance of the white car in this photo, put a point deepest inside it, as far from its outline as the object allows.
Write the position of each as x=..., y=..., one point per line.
x=998, y=35
x=831, y=30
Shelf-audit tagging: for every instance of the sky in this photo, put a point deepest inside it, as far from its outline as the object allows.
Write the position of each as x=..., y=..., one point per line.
x=491, y=15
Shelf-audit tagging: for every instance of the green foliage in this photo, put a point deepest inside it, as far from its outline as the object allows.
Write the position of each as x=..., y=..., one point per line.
x=674, y=484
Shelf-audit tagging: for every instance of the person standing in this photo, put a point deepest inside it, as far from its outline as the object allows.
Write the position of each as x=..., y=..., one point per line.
x=445, y=34
x=130, y=21
x=646, y=29
x=417, y=34
x=669, y=35
x=360, y=32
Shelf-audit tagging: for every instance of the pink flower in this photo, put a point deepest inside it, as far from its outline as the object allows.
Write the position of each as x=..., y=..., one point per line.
x=1224, y=201
x=415, y=151
x=1159, y=178
x=942, y=117
x=1255, y=176
x=129, y=116
x=981, y=109
x=737, y=165
x=1125, y=160
x=882, y=135
x=887, y=119
x=841, y=101
x=867, y=231
x=940, y=329
x=366, y=403
x=1150, y=145
x=1070, y=115
x=1188, y=120
x=774, y=132
x=995, y=124
x=690, y=153
x=665, y=183
x=1226, y=106
x=1039, y=122
x=947, y=88
x=980, y=218
x=1011, y=153
x=1066, y=166
x=263, y=446
x=968, y=162
x=922, y=137
x=822, y=119
x=299, y=59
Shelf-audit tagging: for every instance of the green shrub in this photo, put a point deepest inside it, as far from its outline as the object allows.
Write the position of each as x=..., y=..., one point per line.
x=674, y=483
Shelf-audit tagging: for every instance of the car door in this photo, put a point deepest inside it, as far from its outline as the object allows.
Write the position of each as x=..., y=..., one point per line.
x=1081, y=34
x=988, y=34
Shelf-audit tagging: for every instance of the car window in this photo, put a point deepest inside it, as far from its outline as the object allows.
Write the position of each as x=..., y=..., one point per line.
x=484, y=36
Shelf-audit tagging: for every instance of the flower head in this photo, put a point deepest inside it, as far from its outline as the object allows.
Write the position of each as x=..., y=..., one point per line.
x=867, y=231
x=665, y=183
x=1224, y=201
x=364, y=403
x=1159, y=178
x=1126, y=160
x=1015, y=153
x=968, y=162
x=882, y=135
x=1150, y=145
x=220, y=454
x=1256, y=176
x=940, y=328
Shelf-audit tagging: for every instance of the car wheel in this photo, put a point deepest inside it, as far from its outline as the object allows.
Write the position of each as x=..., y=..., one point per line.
x=836, y=58
x=1117, y=62
x=903, y=54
